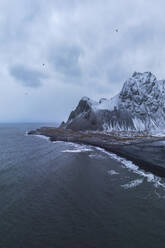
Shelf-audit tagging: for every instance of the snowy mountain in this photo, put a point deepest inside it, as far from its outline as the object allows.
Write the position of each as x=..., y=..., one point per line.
x=139, y=106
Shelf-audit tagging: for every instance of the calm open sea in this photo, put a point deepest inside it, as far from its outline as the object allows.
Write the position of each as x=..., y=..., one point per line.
x=55, y=195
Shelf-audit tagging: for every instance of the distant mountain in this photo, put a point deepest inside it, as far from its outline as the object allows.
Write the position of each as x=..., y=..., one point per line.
x=139, y=106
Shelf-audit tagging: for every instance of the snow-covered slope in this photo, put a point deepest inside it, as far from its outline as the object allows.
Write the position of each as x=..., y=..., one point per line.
x=139, y=106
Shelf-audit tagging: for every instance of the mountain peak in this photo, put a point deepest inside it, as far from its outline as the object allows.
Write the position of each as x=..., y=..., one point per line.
x=143, y=81
x=145, y=77
x=139, y=74
x=140, y=105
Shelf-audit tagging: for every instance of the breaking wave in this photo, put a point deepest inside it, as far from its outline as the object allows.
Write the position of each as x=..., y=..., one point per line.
x=78, y=148
x=42, y=136
x=132, y=184
x=151, y=178
x=112, y=172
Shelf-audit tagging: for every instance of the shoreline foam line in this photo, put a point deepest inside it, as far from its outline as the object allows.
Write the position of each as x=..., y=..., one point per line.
x=135, y=169
x=138, y=169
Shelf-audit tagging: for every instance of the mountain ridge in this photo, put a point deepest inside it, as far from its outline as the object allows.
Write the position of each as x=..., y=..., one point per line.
x=139, y=106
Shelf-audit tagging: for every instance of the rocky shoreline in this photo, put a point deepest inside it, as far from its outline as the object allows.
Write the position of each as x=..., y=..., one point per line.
x=145, y=151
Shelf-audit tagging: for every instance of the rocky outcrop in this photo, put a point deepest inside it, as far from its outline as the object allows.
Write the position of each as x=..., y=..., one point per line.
x=139, y=106
x=83, y=117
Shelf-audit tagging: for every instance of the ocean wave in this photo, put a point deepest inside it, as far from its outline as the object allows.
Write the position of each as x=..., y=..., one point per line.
x=73, y=151
x=76, y=148
x=157, y=181
x=132, y=184
x=38, y=135
x=159, y=195
x=97, y=156
x=61, y=142
x=42, y=136
x=112, y=172
x=26, y=133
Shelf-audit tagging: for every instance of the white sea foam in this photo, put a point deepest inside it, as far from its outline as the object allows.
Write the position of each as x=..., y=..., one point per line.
x=112, y=172
x=78, y=148
x=42, y=136
x=38, y=135
x=96, y=156
x=26, y=133
x=58, y=142
x=75, y=148
x=157, y=181
x=72, y=151
x=132, y=184
x=159, y=195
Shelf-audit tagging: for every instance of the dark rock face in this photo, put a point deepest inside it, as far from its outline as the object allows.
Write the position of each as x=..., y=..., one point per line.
x=139, y=106
x=82, y=107
x=83, y=118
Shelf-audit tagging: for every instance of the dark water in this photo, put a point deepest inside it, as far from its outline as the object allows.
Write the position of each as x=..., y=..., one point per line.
x=64, y=195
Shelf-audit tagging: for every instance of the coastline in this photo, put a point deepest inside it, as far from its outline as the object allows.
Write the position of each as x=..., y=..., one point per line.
x=137, y=149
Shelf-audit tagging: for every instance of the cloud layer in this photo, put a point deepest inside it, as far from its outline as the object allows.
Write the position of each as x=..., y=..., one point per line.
x=26, y=76
x=59, y=51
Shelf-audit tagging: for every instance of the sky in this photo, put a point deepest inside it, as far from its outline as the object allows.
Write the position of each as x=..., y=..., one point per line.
x=53, y=52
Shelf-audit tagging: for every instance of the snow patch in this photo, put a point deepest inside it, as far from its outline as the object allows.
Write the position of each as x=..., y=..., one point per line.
x=142, y=98
x=108, y=104
x=139, y=124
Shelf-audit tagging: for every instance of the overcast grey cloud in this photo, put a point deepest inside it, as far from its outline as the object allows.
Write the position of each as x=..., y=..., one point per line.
x=80, y=49
x=65, y=61
x=26, y=76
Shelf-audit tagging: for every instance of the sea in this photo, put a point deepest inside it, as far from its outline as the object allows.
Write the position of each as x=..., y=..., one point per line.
x=65, y=195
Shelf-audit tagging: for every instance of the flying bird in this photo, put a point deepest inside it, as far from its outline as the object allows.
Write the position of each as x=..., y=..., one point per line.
x=116, y=30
